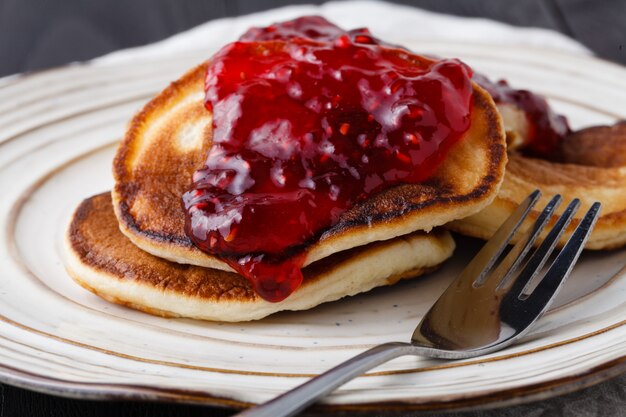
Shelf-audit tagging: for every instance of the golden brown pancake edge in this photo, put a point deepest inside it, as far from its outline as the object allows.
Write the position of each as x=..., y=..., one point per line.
x=101, y=259
x=590, y=165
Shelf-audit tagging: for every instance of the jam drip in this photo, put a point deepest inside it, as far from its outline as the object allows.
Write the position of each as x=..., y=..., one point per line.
x=546, y=128
x=308, y=120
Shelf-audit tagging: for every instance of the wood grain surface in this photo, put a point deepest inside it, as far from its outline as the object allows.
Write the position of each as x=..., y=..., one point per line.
x=37, y=34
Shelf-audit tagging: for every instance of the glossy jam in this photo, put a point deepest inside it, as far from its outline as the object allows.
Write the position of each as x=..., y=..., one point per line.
x=306, y=124
x=546, y=128
x=308, y=27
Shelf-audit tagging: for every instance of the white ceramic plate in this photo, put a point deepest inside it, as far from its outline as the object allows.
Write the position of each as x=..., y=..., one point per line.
x=58, y=132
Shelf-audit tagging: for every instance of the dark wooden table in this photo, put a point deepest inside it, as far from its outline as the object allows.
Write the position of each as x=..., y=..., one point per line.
x=36, y=34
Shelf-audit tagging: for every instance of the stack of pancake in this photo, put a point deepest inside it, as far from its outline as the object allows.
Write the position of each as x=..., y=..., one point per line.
x=130, y=246
x=589, y=164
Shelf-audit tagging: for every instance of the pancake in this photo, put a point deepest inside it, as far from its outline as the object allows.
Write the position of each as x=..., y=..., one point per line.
x=170, y=137
x=591, y=166
x=100, y=258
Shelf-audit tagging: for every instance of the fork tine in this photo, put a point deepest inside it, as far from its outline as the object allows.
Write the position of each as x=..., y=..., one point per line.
x=482, y=262
x=518, y=253
x=540, y=256
x=564, y=262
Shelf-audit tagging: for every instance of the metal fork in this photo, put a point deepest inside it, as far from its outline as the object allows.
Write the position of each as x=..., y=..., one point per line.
x=486, y=308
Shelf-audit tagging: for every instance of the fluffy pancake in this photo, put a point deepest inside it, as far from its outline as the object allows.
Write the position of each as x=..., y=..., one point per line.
x=170, y=137
x=103, y=260
x=591, y=167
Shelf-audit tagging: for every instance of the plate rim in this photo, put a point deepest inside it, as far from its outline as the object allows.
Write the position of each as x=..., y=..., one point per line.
x=487, y=400
x=490, y=399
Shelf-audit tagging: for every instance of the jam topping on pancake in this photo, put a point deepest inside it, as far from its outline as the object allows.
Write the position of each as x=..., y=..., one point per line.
x=309, y=120
x=306, y=27
x=546, y=129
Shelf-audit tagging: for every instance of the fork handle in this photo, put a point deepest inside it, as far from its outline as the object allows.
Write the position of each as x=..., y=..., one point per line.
x=297, y=399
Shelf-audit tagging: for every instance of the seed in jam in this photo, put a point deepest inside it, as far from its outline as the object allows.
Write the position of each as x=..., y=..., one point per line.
x=309, y=120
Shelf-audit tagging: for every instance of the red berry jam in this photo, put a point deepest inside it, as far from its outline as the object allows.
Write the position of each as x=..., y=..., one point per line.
x=546, y=128
x=307, y=27
x=306, y=125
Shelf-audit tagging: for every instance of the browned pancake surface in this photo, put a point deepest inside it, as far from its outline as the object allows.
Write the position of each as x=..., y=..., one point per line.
x=103, y=260
x=592, y=168
x=95, y=237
